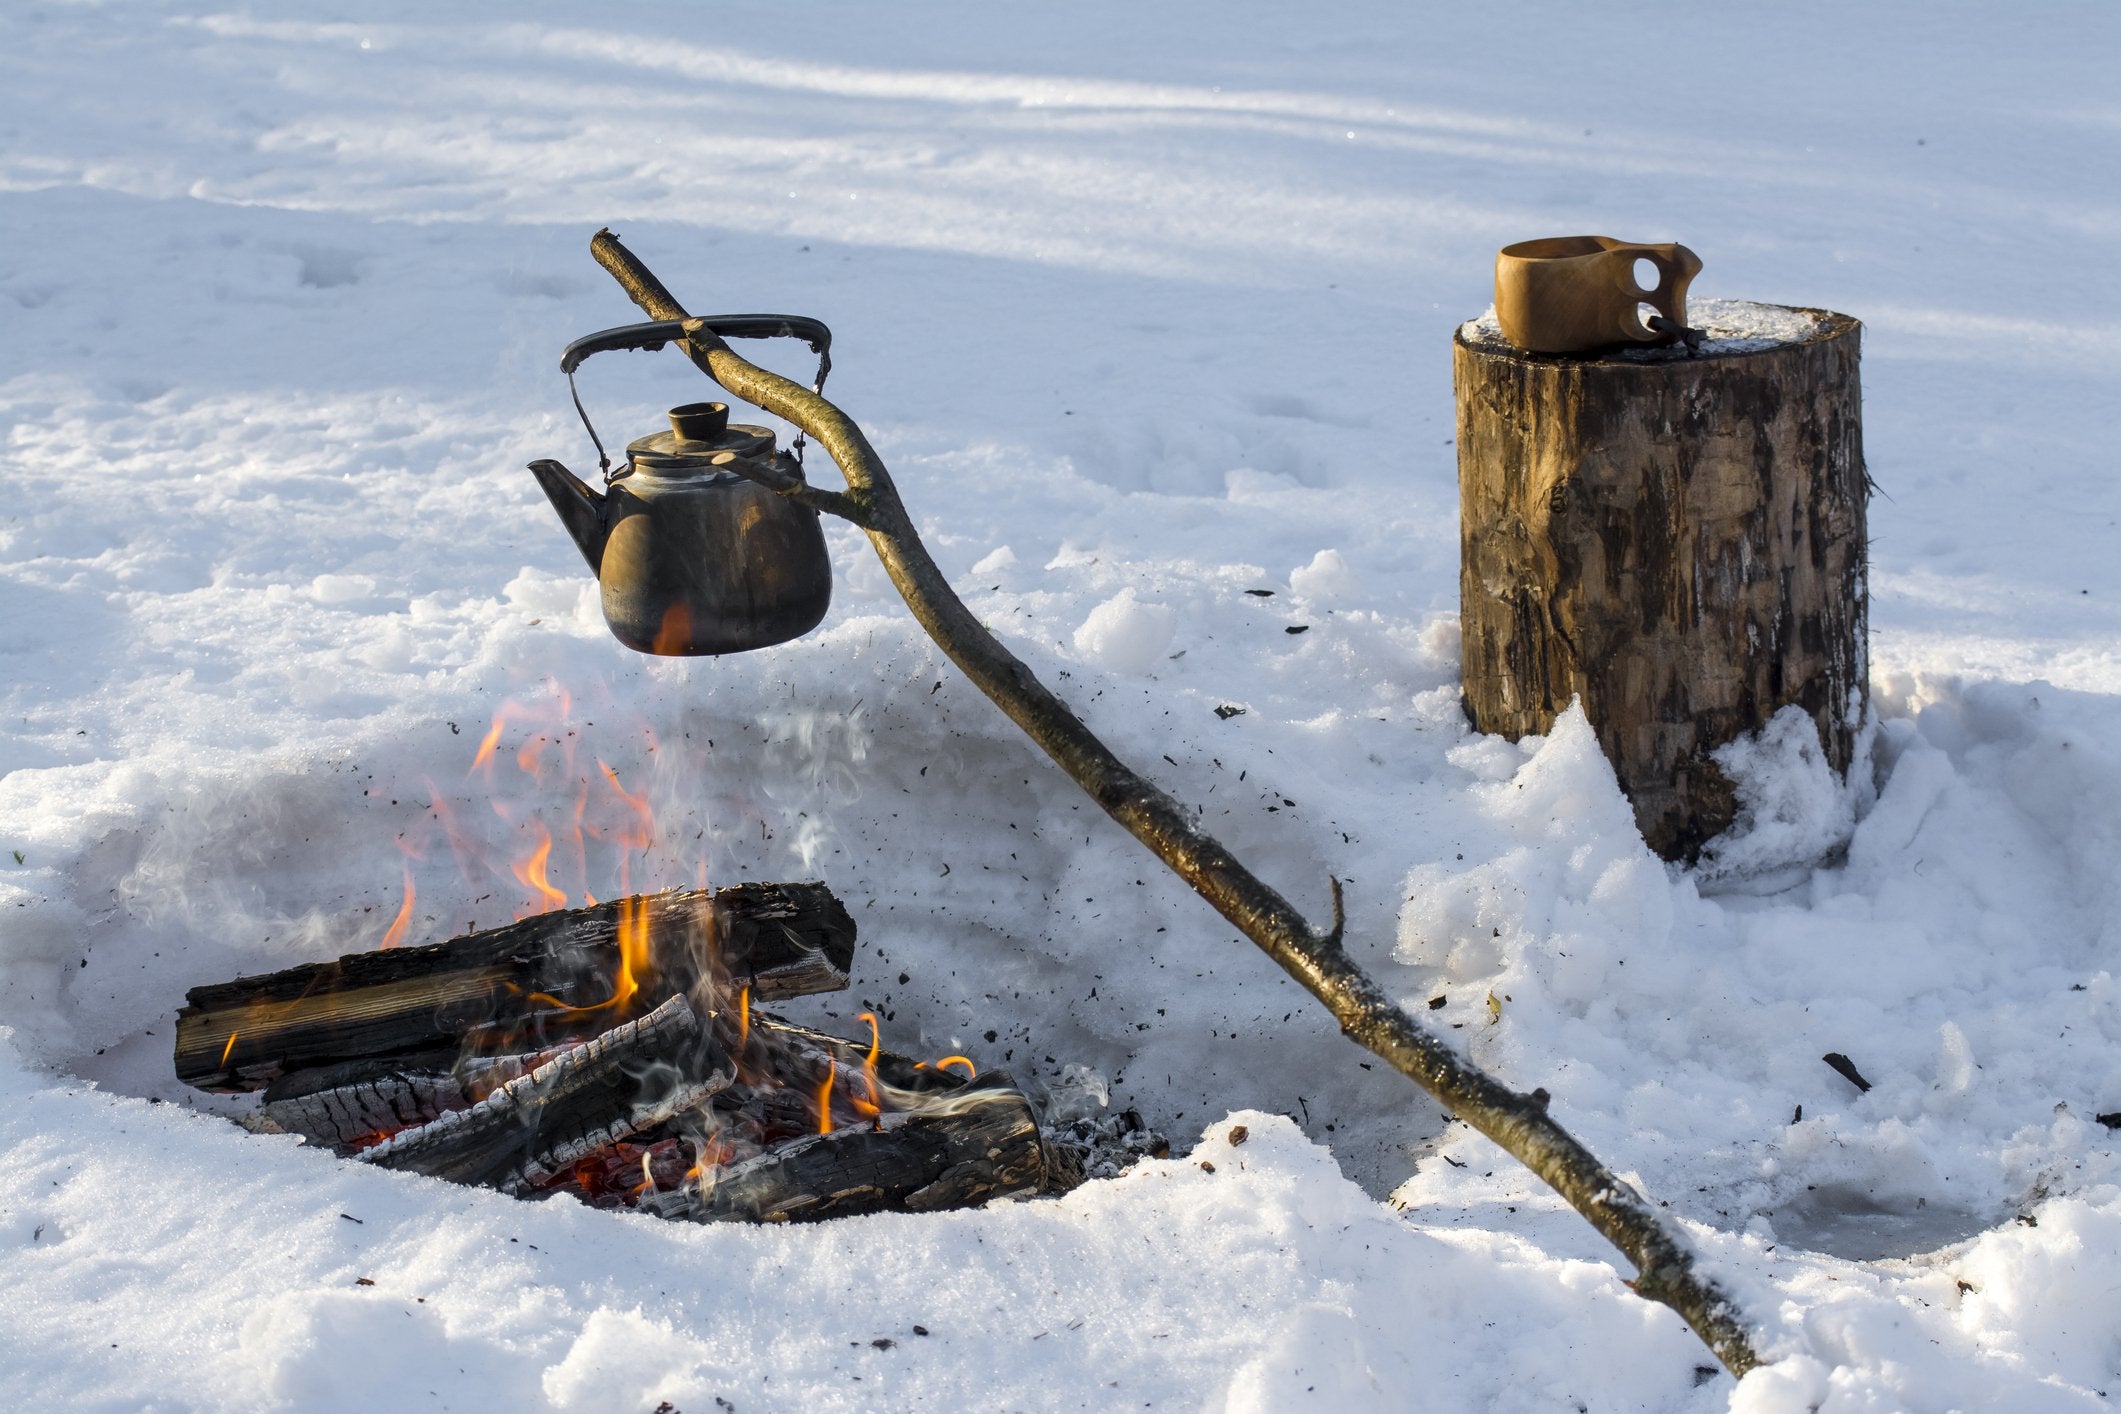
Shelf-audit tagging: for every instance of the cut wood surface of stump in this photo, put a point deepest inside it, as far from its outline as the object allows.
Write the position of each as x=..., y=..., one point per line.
x=1677, y=540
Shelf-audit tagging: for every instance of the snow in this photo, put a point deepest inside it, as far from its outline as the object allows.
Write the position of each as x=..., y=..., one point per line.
x=1728, y=326
x=1125, y=636
x=1148, y=311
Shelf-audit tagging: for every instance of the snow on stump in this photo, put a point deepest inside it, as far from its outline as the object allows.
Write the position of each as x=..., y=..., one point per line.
x=1678, y=540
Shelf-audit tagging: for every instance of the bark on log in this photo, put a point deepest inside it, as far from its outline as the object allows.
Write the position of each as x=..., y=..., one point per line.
x=590, y=1097
x=1678, y=541
x=979, y=1144
x=783, y=940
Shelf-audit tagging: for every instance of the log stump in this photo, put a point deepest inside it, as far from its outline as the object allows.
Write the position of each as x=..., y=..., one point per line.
x=1678, y=540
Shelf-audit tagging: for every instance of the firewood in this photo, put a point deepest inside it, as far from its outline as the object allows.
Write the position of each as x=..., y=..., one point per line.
x=783, y=1040
x=590, y=1097
x=978, y=1144
x=342, y=1106
x=346, y=1105
x=781, y=940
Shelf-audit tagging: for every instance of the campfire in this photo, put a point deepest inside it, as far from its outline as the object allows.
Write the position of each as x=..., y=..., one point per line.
x=620, y=1051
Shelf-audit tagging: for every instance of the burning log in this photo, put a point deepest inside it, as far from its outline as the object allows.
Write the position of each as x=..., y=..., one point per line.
x=519, y=1059
x=415, y=1007
x=538, y=1126
x=981, y=1143
x=343, y=1105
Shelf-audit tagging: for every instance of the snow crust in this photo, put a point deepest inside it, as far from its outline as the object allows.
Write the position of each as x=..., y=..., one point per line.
x=1154, y=334
x=1730, y=326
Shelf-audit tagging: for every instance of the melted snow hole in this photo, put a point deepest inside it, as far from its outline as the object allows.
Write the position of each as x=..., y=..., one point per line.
x=1853, y=1224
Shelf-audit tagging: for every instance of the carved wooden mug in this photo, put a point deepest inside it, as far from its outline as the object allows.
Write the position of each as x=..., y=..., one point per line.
x=1571, y=294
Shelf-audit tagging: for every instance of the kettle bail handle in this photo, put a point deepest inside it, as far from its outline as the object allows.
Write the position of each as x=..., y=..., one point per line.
x=658, y=332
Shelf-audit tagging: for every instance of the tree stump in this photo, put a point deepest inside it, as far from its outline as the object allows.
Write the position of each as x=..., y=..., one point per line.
x=1678, y=540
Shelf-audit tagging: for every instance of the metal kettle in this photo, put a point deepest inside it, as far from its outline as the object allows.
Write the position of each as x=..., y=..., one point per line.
x=692, y=556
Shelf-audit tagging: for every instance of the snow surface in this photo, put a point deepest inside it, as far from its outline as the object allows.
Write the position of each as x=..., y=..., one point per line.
x=1147, y=310
x=1731, y=326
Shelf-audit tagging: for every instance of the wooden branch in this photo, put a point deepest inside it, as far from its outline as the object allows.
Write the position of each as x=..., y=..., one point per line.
x=590, y=1097
x=978, y=1144
x=1666, y=1268
x=783, y=940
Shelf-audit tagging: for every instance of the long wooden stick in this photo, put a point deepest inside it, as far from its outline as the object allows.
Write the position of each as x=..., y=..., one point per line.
x=1665, y=1265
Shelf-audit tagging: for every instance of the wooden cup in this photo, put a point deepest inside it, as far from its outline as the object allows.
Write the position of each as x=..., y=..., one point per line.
x=1570, y=294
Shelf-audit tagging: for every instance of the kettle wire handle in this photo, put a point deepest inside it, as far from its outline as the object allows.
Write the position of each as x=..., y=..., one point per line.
x=656, y=333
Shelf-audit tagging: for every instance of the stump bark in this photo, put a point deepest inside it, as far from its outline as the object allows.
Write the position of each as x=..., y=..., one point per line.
x=1677, y=540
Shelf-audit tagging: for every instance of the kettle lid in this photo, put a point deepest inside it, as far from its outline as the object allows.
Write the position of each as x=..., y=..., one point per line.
x=699, y=432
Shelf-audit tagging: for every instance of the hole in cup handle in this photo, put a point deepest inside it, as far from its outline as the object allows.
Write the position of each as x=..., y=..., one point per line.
x=1648, y=276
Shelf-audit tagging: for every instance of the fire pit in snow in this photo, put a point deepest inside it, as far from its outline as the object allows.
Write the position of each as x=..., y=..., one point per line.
x=617, y=1053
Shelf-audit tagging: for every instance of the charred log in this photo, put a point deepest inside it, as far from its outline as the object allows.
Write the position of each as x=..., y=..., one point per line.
x=590, y=1097
x=345, y=1106
x=979, y=1144
x=779, y=1046
x=518, y=988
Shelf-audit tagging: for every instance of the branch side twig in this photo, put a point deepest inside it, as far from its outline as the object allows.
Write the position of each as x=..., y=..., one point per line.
x=1665, y=1265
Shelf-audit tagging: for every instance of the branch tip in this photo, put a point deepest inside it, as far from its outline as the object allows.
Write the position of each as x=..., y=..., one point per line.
x=1332, y=937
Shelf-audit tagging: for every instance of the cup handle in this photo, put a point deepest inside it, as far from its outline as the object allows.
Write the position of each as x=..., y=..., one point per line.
x=1676, y=267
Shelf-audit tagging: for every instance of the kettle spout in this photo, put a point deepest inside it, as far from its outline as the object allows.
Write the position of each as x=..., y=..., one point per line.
x=581, y=509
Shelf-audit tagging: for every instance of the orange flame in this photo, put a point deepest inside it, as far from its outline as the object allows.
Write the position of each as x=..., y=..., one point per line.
x=510, y=711
x=675, y=636
x=971, y=1071
x=871, y=1108
x=743, y=1022
x=643, y=833
x=824, y=1100
x=492, y=739
x=531, y=871
x=514, y=711
x=229, y=1049
x=635, y=961
x=398, y=926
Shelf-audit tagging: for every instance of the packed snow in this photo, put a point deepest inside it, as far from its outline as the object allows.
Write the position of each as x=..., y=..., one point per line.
x=1150, y=311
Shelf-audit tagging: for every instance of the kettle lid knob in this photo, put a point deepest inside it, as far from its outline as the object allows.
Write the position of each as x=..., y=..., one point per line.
x=700, y=422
